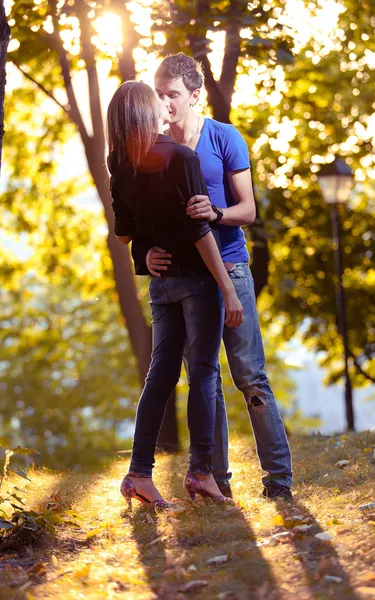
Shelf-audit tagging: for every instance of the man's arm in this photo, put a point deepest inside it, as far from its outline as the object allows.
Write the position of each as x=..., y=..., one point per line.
x=241, y=213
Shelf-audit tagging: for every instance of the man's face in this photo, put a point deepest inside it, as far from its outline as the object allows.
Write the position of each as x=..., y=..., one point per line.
x=164, y=111
x=176, y=97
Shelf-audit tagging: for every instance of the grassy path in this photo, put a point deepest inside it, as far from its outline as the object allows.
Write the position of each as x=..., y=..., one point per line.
x=107, y=553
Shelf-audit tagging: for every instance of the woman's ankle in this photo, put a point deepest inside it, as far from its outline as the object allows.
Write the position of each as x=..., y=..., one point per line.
x=139, y=476
x=202, y=476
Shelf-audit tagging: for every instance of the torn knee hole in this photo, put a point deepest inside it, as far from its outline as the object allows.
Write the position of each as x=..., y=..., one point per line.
x=256, y=401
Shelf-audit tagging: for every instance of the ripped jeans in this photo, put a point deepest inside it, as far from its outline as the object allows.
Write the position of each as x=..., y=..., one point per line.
x=244, y=349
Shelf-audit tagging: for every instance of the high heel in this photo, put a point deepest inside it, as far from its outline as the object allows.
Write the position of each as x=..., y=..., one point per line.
x=193, y=487
x=128, y=490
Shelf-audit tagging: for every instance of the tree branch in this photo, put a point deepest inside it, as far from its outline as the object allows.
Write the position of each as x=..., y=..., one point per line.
x=4, y=41
x=130, y=39
x=74, y=111
x=40, y=86
x=88, y=55
x=232, y=50
x=199, y=47
x=360, y=370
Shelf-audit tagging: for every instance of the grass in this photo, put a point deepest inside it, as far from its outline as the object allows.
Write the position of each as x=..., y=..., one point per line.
x=104, y=552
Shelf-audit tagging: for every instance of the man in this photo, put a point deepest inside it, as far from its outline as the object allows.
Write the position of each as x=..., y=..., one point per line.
x=225, y=165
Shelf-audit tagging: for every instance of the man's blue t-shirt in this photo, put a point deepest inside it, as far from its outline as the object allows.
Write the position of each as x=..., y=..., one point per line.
x=221, y=149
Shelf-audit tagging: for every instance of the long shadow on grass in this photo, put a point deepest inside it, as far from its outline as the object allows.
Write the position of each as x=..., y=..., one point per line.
x=148, y=535
x=206, y=531
x=318, y=558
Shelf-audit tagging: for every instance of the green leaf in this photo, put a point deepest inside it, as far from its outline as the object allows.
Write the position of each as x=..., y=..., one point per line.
x=16, y=498
x=24, y=451
x=20, y=473
x=6, y=525
x=258, y=41
x=284, y=57
x=16, y=507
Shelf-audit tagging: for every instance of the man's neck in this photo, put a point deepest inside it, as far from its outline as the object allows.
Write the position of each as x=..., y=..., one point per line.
x=185, y=128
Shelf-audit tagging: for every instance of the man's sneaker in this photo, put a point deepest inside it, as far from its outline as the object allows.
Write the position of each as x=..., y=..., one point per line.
x=225, y=489
x=275, y=492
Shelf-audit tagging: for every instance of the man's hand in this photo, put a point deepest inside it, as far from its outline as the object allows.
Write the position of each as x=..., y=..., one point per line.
x=157, y=260
x=200, y=207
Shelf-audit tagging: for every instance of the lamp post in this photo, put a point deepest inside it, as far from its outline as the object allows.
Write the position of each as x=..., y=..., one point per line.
x=336, y=182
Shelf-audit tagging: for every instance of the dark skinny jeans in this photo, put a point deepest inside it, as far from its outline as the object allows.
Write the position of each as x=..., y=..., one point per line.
x=185, y=310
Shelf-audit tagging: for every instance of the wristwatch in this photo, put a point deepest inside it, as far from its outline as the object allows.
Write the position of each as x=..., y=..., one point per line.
x=219, y=215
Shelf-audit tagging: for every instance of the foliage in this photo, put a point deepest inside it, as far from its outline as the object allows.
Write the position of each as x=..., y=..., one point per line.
x=22, y=521
x=194, y=23
x=310, y=113
x=67, y=374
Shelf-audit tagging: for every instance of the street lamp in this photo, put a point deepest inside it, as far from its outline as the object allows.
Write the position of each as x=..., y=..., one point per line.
x=336, y=182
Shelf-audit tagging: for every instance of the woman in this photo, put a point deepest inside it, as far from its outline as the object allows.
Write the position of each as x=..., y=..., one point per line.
x=152, y=181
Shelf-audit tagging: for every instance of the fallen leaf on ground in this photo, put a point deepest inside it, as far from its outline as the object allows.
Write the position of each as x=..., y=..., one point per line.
x=54, y=560
x=301, y=528
x=260, y=543
x=149, y=519
x=83, y=572
x=324, y=536
x=367, y=506
x=26, y=585
x=333, y=579
x=281, y=536
x=193, y=586
x=191, y=568
x=155, y=541
x=94, y=533
x=342, y=463
x=218, y=560
x=37, y=570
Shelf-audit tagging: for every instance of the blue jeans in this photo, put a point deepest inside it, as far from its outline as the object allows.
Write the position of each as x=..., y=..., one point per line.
x=185, y=310
x=244, y=350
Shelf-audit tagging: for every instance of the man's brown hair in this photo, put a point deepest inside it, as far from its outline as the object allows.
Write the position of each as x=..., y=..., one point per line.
x=132, y=122
x=179, y=65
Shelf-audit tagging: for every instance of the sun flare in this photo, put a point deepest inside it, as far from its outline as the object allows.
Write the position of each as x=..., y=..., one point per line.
x=109, y=33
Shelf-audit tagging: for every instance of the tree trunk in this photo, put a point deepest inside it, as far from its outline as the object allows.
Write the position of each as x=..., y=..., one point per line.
x=139, y=332
x=4, y=41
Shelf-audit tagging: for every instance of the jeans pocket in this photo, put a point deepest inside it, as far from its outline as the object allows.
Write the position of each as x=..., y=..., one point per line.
x=239, y=272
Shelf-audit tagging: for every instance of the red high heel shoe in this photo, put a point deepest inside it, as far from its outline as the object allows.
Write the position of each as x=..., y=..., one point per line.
x=128, y=490
x=193, y=487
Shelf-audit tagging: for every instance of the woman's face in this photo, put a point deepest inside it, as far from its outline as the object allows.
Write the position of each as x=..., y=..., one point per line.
x=164, y=112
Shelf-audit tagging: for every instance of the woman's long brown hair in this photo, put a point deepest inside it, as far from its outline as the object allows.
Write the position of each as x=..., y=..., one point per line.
x=132, y=122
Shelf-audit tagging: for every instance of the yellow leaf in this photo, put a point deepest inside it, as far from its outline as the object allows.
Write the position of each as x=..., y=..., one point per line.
x=279, y=520
x=367, y=450
x=94, y=533
x=83, y=572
